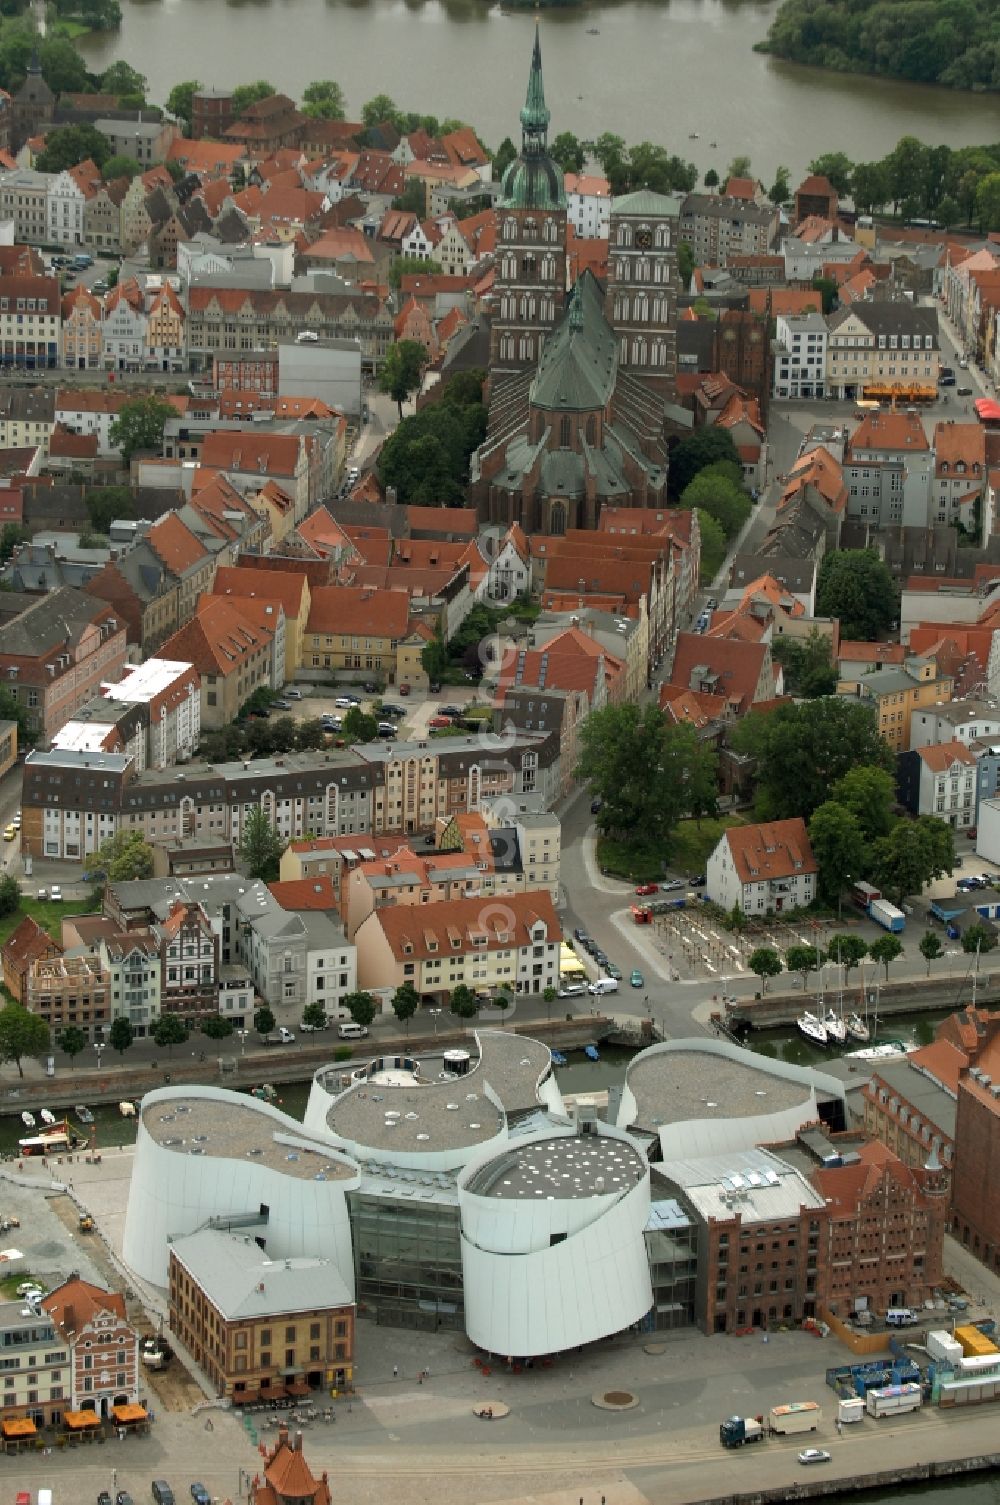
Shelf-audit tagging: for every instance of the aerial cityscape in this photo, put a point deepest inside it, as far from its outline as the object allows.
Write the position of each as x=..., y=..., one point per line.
x=499, y=752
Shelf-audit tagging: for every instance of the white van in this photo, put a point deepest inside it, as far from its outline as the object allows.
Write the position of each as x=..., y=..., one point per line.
x=352, y=1031
x=899, y=1316
x=604, y=985
x=45, y=1497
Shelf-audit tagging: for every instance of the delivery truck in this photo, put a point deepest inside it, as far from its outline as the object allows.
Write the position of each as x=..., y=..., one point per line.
x=893, y=1400
x=850, y=1408
x=887, y=915
x=797, y=1416
x=737, y=1431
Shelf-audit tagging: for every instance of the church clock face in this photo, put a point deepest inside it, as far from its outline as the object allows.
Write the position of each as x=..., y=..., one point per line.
x=644, y=239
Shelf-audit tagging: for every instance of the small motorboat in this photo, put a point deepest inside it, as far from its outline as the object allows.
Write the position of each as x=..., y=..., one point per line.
x=693, y=136
x=28, y=1119
x=857, y=1028
x=47, y=1117
x=884, y=1052
x=836, y=1029
x=590, y=1051
x=558, y=1059
x=593, y=31
x=126, y=1109
x=713, y=143
x=83, y=1113
x=813, y=1028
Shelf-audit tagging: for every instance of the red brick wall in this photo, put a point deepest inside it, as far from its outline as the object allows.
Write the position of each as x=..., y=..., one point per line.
x=975, y=1202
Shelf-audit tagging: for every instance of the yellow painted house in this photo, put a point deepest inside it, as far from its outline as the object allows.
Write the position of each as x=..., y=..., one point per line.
x=286, y=586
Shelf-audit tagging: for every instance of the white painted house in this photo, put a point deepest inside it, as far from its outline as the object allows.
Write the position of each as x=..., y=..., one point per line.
x=588, y=205
x=765, y=869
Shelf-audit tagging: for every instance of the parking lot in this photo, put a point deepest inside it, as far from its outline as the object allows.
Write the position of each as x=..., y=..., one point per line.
x=418, y=706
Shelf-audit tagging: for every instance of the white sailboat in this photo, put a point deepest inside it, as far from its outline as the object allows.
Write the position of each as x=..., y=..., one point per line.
x=836, y=1029
x=28, y=1119
x=813, y=1028
x=47, y=1117
x=857, y=1028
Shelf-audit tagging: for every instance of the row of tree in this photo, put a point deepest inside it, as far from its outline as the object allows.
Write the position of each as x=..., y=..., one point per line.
x=848, y=951
x=426, y=458
x=951, y=185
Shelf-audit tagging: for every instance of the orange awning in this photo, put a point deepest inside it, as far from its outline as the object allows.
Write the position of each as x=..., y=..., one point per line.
x=129, y=1413
x=19, y=1426
x=78, y=1421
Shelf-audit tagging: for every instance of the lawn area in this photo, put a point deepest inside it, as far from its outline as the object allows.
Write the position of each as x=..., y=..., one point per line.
x=689, y=853
x=49, y=916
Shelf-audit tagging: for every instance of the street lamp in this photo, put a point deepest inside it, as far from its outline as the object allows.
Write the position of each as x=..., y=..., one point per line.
x=434, y=1015
x=243, y=1040
x=99, y=1047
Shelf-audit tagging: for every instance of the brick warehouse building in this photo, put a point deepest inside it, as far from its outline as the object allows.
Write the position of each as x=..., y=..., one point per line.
x=975, y=1201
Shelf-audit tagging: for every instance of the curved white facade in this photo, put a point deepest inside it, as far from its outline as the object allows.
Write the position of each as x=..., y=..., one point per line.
x=544, y=1272
x=177, y=1187
x=774, y=1110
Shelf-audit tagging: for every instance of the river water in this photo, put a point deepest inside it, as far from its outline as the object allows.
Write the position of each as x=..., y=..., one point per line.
x=657, y=71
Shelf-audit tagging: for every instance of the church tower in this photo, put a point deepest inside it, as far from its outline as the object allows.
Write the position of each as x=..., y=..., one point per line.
x=530, y=289
x=643, y=283
x=33, y=105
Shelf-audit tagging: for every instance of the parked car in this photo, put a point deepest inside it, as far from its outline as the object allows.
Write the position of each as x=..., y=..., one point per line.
x=200, y=1495
x=439, y=721
x=581, y=936
x=674, y=883
x=698, y=880
x=104, y=1498
x=963, y=363
x=963, y=391
x=55, y=894
x=281, y=705
x=449, y=710
x=596, y=806
x=395, y=711
x=814, y=1455
x=123, y=1498
x=370, y=687
x=387, y=729
x=343, y=702
x=613, y=971
x=162, y=1493
x=293, y=694
x=600, y=957
x=404, y=688
x=572, y=989
x=647, y=888
x=636, y=978
x=311, y=1029
x=10, y=833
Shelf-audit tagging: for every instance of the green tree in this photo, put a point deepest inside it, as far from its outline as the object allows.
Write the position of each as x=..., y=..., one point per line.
x=904, y=168
x=11, y=535
x=506, y=153
x=405, y=1002
x=360, y=1006
x=125, y=856
x=21, y=1034
x=803, y=960
x=14, y=710
x=245, y=95
x=808, y=667
x=407, y=266
x=713, y=548
x=847, y=951
x=315, y=1015
x=977, y=940
x=309, y=735
x=869, y=793
x=568, y=152
x=711, y=180
x=426, y=459
x=802, y=750
x=644, y=769
x=69, y=144
x=838, y=848
x=261, y=846
x=379, y=109
x=988, y=203
x=463, y=1002
x=549, y=996
x=72, y=1041
x=837, y=167
x=610, y=150
x=885, y=950
x=180, y=101
x=10, y=895
x=107, y=504
x=323, y=100
x=402, y=370
x=685, y=264
x=827, y=290
x=766, y=963
x=120, y=166
x=264, y=1020
x=434, y=658
x=121, y=1034
x=64, y=70
x=170, y=1030
x=930, y=948
x=215, y=1027
x=739, y=167
x=359, y=726
x=780, y=190
x=122, y=78
x=870, y=186
x=703, y=447
x=856, y=587
x=914, y=853
x=715, y=494
x=139, y=426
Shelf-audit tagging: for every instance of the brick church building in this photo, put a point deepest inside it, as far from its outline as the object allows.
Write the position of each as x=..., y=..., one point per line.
x=580, y=384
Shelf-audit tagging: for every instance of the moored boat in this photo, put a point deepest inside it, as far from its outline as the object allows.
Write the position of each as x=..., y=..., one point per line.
x=590, y=1051
x=813, y=1028
x=28, y=1119
x=883, y=1052
x=50, y=1140
x=83, y=1113
x=836, y=1029
x=857, y=1028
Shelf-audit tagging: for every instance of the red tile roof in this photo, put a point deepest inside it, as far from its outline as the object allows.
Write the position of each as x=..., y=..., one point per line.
x=254, y=454
x=419, y=931
x=776, y=849
x=217, y=640
x=305, y=893
x=942, y=755
x=175, y=545
x=357, y=611
x=287, y=586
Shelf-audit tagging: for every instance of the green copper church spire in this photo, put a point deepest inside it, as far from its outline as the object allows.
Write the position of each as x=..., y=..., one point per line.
x=535, y=116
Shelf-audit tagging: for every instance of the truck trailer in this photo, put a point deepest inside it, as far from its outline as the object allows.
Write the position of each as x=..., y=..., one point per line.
x=887, y=915
x=737, y=1431
x=850, y=1408
x=893, y=1400
x=797, y=1416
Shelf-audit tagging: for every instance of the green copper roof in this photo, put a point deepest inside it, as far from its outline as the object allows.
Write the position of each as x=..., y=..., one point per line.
x=579, y=362
x=644, y=201
x=534, y=181
x=536, y=115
